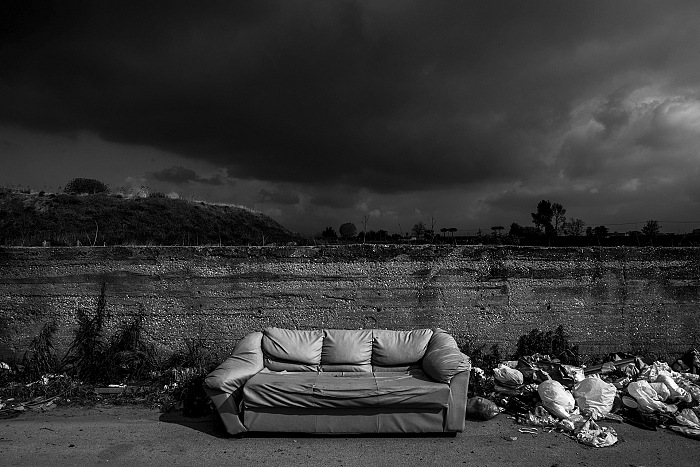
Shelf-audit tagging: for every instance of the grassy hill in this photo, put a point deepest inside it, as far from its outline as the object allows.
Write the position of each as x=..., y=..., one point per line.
x=105, y=219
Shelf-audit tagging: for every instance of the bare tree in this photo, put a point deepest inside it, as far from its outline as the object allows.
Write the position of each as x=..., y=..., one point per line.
x=365, y=218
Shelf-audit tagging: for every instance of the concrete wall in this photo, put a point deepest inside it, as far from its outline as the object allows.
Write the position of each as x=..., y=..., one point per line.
x=607, y=299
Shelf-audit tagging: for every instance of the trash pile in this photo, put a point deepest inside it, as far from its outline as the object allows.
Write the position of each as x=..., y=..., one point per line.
x=539, y=391
x=179, y=388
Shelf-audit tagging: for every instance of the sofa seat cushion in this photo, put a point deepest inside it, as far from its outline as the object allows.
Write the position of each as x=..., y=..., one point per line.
x=344, y=390
x=411, y=390
x=279, y=389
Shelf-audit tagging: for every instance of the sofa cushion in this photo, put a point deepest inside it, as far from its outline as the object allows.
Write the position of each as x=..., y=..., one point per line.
x=413, y=390
x=347, y=350
x=394, y=348
x=276, y=389
x=343, y=390
x=396, y=368
x=443, y=359
x=283, y=365
x=293, y=346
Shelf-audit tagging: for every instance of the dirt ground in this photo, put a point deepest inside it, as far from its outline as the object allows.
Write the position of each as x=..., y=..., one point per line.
x=125, y=435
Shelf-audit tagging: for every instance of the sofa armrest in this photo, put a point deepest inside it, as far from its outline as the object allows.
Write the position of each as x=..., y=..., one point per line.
x=246, y=361
x=224, y=385
x=443, y=359
x=457, y=406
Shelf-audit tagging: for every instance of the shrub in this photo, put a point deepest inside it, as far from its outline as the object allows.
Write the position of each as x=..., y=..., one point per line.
x=555, y=344
x=79, y=186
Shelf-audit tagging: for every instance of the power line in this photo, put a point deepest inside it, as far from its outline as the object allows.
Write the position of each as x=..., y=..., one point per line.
x=644, y=222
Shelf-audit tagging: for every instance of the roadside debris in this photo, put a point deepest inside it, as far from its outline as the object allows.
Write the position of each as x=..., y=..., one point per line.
x=480, y=408
x=539, y=391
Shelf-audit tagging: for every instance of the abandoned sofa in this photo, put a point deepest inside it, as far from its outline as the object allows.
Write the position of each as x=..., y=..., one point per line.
x=342, y=381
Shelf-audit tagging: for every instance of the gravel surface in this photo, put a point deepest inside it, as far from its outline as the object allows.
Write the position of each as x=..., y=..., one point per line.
x=124, y=435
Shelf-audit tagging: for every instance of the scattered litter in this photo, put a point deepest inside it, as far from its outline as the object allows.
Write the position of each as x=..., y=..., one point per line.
x=532, y=431
x=480, y=408
x=595, y=396
x=556, y=399
x=111, y=389
x=591, y=434
x=574, y=400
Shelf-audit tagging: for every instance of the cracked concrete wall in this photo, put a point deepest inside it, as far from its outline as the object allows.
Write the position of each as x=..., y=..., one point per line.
x=607, y=299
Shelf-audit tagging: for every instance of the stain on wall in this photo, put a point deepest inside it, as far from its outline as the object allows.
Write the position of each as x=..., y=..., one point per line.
x=607, y=299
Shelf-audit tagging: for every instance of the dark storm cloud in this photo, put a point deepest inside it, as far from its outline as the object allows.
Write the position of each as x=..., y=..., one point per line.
x=612, y=114
x=180, y=175
x=390, y=96
x=281, y=196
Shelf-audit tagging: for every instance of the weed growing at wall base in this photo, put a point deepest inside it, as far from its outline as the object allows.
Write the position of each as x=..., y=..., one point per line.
x=125, y=360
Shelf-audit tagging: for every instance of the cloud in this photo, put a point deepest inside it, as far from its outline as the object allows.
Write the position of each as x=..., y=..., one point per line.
x=334, y=199
x=401, y=100
x=179, y=175
x=284, y=196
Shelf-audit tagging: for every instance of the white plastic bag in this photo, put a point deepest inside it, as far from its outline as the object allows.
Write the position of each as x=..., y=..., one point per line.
x=592, y=434
x=595, y=396
x=676, y=391
x=661, y=390
x=647, y=397
x=506, y=376
x=556, y=399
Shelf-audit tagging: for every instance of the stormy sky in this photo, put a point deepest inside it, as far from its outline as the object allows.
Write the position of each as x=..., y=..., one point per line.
x=459, y=113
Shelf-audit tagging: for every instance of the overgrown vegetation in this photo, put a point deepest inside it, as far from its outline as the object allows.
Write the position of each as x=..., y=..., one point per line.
x=125, y=358
x=36, y=219
x=552, y=344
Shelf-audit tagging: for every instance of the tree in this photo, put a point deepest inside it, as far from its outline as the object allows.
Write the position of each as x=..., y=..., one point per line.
x=365, y=218
x=543, y=217
x=79, y=186
x=574, y=227
x=558, y=212
x=651, y=229
x=329, y=233
x=419, y=229
x=452, y=231
x=348, y=231
x=517, y=230
x=601, y=231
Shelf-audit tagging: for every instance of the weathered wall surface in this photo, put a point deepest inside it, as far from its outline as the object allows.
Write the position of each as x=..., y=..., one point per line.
x=607, y=299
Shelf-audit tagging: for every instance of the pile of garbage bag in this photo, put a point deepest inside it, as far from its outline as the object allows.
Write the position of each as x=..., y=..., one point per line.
x=540, y=391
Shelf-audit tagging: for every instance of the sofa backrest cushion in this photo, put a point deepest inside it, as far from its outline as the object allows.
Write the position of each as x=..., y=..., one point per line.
x=347, y=350
x=292, y=349
x=443, y=359
x=396, y=348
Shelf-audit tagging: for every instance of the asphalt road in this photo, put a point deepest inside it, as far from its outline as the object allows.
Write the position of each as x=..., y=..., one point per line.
x=134, y=436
